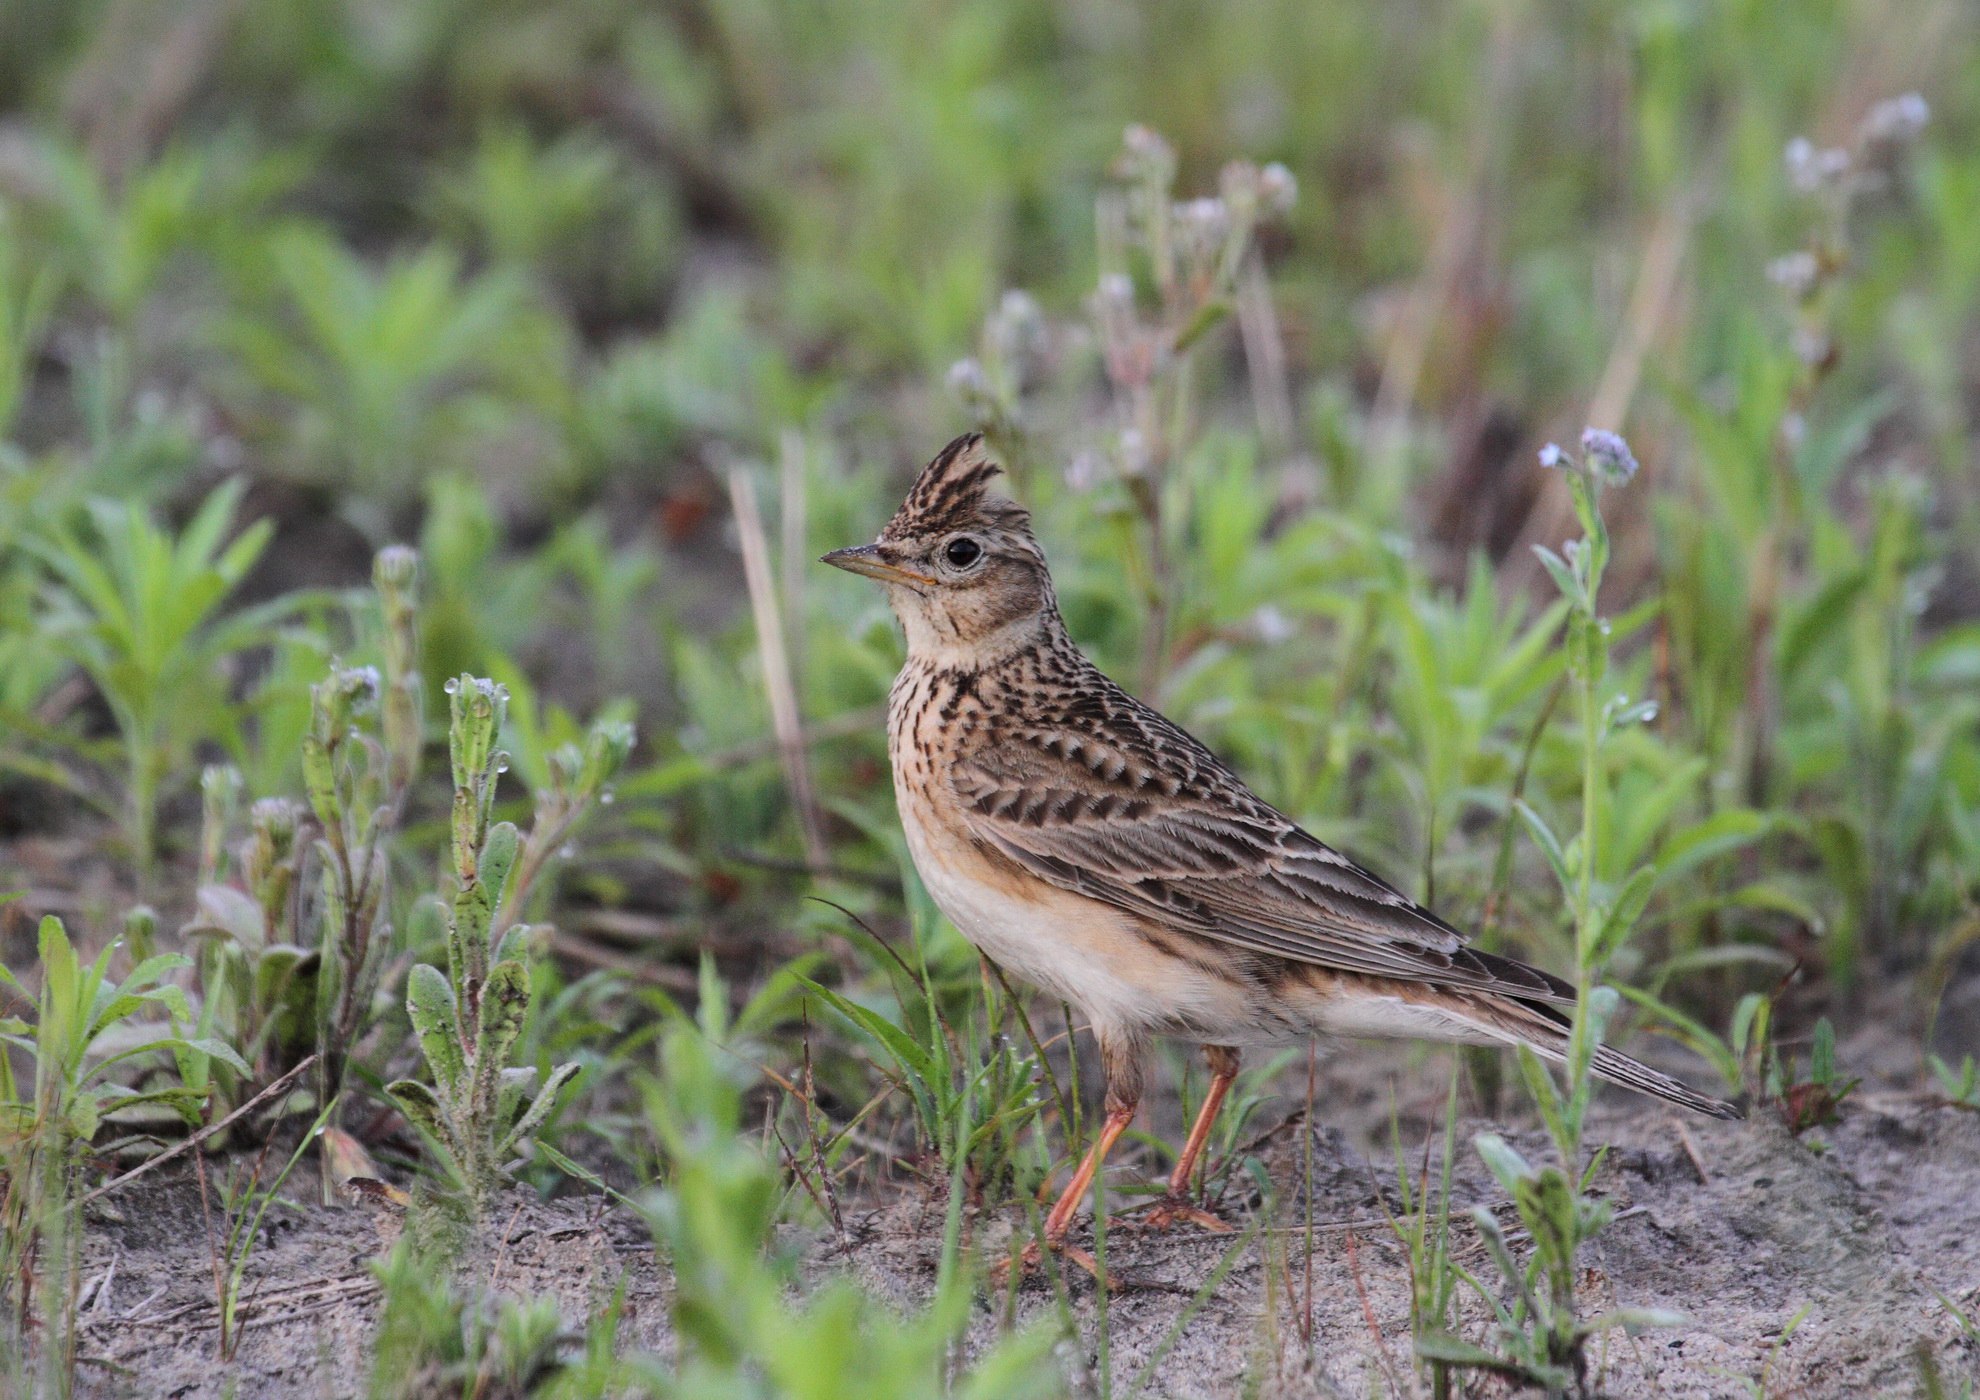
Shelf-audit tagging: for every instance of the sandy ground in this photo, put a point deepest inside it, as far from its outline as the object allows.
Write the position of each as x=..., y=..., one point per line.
x=1811, y=1267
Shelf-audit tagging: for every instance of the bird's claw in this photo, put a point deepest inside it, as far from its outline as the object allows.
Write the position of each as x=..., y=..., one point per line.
x=1172, y=1210
x=1031, y=1256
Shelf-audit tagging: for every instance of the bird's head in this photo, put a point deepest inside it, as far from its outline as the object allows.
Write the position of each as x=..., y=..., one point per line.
x=962, y=571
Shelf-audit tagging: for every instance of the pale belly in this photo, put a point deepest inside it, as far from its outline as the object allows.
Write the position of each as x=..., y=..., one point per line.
x=1078, y=950
x=1087, y=953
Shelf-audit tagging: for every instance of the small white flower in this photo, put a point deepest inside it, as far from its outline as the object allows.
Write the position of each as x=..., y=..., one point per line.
x=1796, y=272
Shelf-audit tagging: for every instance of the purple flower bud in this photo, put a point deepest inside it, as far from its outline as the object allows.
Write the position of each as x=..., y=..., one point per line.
x=1551, y=456
x=1608, y=456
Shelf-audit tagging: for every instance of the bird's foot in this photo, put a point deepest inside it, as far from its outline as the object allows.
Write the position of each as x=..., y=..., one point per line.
x=1027, y=1261
x=1171, y=1210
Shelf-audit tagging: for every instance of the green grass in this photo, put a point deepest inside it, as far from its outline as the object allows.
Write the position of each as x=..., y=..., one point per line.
x=344, y=354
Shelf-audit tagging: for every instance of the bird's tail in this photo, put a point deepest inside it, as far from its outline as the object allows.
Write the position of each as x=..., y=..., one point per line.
x=1545, y=1029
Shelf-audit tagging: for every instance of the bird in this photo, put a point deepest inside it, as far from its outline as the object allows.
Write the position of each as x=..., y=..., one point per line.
x=1094, y=848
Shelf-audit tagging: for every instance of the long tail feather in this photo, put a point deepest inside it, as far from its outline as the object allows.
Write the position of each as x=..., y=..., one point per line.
x=1544, y=1028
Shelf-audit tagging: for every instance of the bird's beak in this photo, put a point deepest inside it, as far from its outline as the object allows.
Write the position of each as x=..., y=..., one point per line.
x=866, y=559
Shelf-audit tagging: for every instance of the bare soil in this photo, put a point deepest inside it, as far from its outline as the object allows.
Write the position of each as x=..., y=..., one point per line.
x=1812, y=1267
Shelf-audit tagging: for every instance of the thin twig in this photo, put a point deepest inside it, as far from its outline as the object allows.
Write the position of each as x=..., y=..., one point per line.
x=1649, y=301
x=1382, y=1356
x=773, y=644
x=810, y=1101
x=202, y=1135
x=866, y=719
x=1264, y=356
x=1691, y=1151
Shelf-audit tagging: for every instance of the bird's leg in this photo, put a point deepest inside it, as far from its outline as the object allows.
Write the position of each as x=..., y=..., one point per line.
x=1123, y=1066
x=1119, y=1115
x=1177, y=1205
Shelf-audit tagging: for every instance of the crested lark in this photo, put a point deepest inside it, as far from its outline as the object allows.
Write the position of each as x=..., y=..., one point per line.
x=1087, y=844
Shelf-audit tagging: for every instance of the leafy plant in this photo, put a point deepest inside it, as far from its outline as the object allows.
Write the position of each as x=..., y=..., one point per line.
x=392, y=366
x=258, y=988
x=1424, y=1228
x=85, y=1025
x=435, y=1338
x=732, y=1311
x=1810, y=1098
x=1540, y=1334
x=966, y=1097
x=1960, y=1086
x=469, y=1018
x=138, y=610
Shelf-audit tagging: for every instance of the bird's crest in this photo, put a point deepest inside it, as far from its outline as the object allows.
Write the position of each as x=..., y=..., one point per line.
x=953, y=493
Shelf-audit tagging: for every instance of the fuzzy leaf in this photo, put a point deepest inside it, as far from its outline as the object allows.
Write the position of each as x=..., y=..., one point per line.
x=224, y=909
x=504, y=1007
x=539, y=1109
x=320, y=784
x=498, y=857
x=1622, y=915
x=436, y=1021
x=1503, y=1160
x=514, y=944
x=424, y=1111
x=1456, y=1351
x=1639, y=1320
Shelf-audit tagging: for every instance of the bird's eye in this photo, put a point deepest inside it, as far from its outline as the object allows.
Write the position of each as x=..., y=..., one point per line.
x=962, y=552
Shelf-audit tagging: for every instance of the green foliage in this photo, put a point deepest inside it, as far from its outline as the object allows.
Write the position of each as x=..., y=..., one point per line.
x=86, y=1023
x=732, y=1310
x=394, y=367
x=517, y=280
x=138, y=610
x=244, y=1204
x=469, y=1018
x=1811, y=1097
x=436, y=1340
x=1424, y=1228
x=1960, y=1086
x=960, y=1046
x=1539, y=1336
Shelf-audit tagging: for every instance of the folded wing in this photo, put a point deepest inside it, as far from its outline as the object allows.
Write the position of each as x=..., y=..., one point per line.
x=1139, y=815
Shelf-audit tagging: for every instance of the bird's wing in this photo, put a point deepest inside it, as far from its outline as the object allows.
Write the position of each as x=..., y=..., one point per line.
x=1137, y=814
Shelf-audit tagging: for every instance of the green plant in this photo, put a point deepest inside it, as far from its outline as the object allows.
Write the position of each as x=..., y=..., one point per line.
x=1809, y=1098
x=732, y=1312
x=85, y=1025
x=435, y=1340
x=345, y=773
x=1540, y=1335
x=973, y=1092
x=1740, y=1056
x=1423, y=1225
x=392, y=368
x=469, y=1018
x=138, y=610
x=1960, y=1086
x=257, y=987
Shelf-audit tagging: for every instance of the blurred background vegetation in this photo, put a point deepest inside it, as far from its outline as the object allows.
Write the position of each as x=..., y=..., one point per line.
x=590, y=300
x=621, y=314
